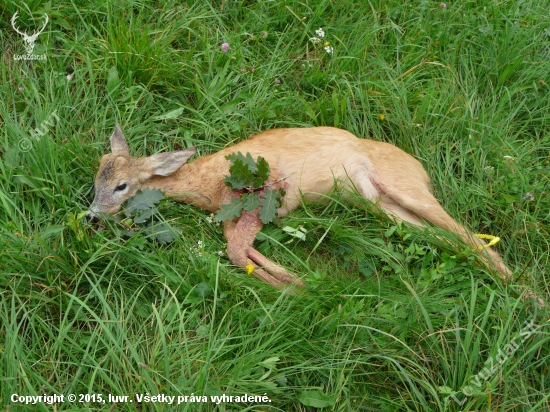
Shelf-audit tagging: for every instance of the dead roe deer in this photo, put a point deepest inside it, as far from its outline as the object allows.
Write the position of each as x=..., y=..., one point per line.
x=305, y=162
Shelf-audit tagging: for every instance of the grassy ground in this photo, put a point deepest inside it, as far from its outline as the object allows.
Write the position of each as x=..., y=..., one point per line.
x=393, y=319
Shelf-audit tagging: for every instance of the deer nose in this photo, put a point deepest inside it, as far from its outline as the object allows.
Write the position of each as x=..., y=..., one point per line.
x=92, y=218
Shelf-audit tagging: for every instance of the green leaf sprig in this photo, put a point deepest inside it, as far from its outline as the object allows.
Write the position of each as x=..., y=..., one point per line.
x=140, y=211
x=250, y=176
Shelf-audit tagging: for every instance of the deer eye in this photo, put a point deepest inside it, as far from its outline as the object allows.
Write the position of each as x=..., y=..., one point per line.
x=120, y=187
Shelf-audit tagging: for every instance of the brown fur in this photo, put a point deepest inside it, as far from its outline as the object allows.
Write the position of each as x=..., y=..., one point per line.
x=308, y=162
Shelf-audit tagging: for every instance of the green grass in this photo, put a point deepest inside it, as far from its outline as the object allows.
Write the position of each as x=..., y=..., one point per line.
x=394, y=319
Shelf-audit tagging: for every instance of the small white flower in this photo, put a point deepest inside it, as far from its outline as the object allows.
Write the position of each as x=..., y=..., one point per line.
x=200, y=243
x=320, y=32
x=212, y=219
x=315, y=40
x=489, y=170
x=329, y=49
x=220, y=253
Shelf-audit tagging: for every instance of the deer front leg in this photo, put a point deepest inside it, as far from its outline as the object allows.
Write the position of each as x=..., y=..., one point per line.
x=240, y=235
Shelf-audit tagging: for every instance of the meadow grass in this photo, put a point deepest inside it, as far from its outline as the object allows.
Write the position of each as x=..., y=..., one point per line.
x=394, y=318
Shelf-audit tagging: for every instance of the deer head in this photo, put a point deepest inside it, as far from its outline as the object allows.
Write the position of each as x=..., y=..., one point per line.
x=120, y=175
x=29, y=40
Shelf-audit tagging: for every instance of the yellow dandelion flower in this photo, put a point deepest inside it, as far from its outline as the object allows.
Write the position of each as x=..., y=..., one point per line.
x=327, y=43
x=249, y=268
x=382, y=117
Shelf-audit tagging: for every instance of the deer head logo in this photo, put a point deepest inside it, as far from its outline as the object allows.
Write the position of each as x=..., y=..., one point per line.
x=29, y=40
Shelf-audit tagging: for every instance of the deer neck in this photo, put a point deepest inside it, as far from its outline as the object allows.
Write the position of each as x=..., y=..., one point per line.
x=199, y=183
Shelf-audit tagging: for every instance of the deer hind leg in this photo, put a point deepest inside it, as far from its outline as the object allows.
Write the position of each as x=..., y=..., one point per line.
x=426, y=206
x=240, y=236
x=423, y=204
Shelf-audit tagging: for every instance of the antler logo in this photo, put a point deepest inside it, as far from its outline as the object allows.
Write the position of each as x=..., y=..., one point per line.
x=29, y=40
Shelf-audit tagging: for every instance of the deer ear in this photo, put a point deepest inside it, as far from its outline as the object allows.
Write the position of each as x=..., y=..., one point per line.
x=164, y=164
x=118, y=141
